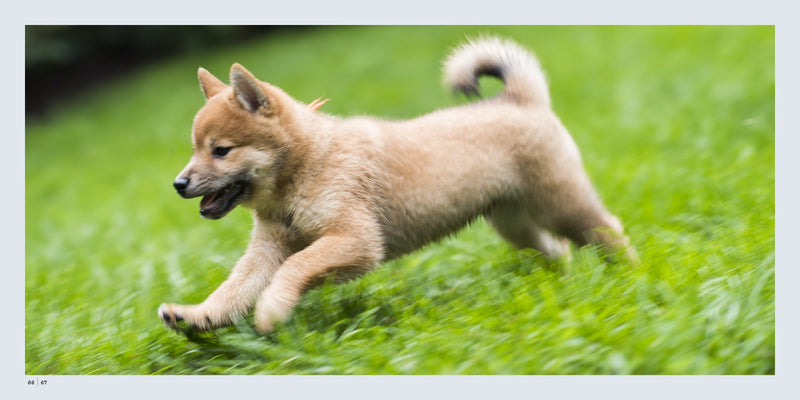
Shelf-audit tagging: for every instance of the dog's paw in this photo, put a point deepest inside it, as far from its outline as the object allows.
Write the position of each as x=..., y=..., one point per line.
x=185, y=319
x=181, y=319
x=171, y=317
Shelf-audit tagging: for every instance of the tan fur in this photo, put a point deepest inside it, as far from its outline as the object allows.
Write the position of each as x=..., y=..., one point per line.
x=340, y=196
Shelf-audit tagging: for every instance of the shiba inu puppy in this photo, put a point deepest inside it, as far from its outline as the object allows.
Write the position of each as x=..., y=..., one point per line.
x=339, y=196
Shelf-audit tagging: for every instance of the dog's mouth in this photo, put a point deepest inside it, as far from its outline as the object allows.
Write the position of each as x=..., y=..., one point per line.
x=216, y=205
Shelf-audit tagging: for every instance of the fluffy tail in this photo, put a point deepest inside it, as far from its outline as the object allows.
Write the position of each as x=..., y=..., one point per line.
x=519, y=70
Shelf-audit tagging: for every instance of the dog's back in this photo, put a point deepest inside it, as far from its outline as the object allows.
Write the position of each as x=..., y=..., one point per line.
x=507, y=157
x=448, y=167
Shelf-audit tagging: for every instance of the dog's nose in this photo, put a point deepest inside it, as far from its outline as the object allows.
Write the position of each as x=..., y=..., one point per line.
x=180, y=185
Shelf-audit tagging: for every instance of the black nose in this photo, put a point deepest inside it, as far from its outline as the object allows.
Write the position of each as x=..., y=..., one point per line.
x=180, y=185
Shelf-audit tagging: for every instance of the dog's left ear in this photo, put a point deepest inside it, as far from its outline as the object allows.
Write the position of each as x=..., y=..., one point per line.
x=248, y=91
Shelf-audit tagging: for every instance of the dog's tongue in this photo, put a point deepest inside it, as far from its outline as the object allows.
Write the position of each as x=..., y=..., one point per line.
x=217, y=204
x=208, y=200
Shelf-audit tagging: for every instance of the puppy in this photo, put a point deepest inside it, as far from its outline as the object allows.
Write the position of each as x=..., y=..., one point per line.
x=336, y=196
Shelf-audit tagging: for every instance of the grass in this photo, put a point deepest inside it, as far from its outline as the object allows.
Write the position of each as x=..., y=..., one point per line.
x=676, y=126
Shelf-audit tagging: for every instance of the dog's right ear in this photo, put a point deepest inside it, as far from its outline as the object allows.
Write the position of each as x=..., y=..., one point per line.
x=209, y=83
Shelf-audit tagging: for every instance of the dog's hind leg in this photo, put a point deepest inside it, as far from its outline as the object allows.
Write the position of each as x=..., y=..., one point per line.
x=515, y=225
x=604, y=230
x=236, y=296
x=589, y=223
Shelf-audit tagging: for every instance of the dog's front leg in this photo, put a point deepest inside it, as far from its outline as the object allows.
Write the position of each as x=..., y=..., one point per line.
x=235, y=297
x=344, y=256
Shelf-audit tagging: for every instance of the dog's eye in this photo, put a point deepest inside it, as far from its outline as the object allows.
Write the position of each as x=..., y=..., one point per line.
x=220, y=152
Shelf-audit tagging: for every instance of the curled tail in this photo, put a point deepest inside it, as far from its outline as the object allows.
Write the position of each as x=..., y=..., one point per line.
x=519, y=70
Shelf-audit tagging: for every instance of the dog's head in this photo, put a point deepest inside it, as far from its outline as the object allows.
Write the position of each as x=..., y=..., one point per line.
x=238, y=142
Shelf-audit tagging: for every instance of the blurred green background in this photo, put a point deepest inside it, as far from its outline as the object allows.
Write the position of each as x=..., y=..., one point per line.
x=676, y=127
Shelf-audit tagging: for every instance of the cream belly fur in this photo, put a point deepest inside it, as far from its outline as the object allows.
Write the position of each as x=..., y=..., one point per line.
x=340, y=196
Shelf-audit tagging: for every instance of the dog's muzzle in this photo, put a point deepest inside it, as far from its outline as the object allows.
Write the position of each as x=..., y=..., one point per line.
x=218, y=203
x=180, y=185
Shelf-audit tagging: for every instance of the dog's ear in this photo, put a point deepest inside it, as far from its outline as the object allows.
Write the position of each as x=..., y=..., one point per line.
x=209, y=83
x=248, y=92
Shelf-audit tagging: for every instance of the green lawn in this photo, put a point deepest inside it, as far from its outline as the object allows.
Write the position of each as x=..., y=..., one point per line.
x=676, y=126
